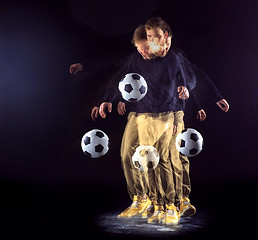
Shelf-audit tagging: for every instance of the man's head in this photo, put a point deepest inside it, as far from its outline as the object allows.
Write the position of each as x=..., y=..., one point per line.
x=140, y=42
x=159, y=35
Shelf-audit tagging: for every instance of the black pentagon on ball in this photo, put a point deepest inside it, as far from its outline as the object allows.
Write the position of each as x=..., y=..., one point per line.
x=194, y=137
x=184, y=130
x=128, y=88
x=86, y=140
x=132, y=99
x=99, y=148
x=87, y=153
x=193, y=151
x=99, y=134
x=142, y=89
x=136, y=77
x=122, y=78
x=137, y=164
x=183, y=154
x=150, y=165
x=182, y=143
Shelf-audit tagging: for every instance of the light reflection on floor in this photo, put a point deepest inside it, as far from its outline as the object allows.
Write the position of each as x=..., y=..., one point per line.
x=137, y=226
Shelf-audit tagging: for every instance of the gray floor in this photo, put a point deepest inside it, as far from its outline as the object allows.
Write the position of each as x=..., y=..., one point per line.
x=109, y=223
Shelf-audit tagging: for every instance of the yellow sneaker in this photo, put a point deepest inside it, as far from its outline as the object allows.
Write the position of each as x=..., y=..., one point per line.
x=172, y=216
x=137, y=207
x=186, y=209
x=148, y=211
x=158, y=215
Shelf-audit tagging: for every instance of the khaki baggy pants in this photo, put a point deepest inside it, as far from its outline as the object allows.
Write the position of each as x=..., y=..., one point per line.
x=164, y=183
x=180, y=165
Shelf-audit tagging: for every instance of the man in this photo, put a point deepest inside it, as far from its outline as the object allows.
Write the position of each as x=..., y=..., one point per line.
x=159, y=37
x=157, y=108
x=159, y=34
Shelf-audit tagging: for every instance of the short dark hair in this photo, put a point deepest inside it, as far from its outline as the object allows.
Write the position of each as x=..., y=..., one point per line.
x=139, y=34
x=158, y=22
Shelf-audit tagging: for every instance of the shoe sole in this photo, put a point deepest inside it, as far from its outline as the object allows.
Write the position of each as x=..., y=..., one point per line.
x=170, y=224
x=188, y=212
x=160, y=221
x=131, y=216
x=135, y=214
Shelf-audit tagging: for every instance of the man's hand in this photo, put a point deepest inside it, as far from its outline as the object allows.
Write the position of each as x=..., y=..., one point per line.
x=201, y=115
x=94, y=113
x=103, y=107
x=121, y=108
x=223, y=104
x=183, y=92
x=76, y=67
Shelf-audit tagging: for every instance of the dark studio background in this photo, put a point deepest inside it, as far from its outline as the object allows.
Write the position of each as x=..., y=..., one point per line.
x=46, y=181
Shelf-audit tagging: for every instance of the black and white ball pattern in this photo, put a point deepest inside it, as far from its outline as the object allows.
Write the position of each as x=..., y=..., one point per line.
x=95, y=143
x=189, y=142
x=145, y=158
x=133, y=87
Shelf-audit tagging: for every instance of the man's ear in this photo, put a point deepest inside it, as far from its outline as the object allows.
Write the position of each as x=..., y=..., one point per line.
x=166, y=34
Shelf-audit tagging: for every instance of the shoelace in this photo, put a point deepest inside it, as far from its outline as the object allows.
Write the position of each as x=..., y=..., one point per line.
x=149, y=207
x=171, y=213
x=156, y=213
x=135, y=204
x=186, y=203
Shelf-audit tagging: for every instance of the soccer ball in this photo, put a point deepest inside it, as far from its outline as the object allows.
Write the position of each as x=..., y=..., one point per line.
x=95, y=143
x=189, y=142
x=133, y=87
x=145, y=158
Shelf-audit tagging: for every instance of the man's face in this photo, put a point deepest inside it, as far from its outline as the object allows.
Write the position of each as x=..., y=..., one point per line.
x=168, y=43
x=157, y=40
x=144, y=49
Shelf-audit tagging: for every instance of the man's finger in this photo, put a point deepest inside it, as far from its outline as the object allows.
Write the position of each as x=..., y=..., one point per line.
x=96, y=114
x=123, y=108
x=180, y=90
x=92, y=117
x=109, y=107
x=202, y=117
x=101, y=112
x=119, y=110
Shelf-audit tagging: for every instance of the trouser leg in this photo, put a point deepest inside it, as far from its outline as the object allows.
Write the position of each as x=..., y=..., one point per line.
x=157, y=131
x=181, y=168
x=133, y=176
x=186, y=186
x=165, y=182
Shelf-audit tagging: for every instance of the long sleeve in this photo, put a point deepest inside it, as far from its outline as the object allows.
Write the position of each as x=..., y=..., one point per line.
x=112, y=92
x=194, y=99
x=206, y=85
x=188, y=78
x=193, y=76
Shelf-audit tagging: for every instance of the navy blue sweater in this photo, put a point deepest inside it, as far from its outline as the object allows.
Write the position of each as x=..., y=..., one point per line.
x=163, y=76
